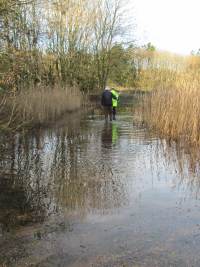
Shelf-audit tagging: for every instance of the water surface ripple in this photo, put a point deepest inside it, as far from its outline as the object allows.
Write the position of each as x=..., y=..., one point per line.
x=96, y=194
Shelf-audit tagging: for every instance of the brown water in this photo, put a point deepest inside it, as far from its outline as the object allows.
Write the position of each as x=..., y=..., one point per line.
x=88, y=193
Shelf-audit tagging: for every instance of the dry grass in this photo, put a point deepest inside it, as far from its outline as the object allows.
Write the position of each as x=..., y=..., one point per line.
x=41, y=105
x=175, y=110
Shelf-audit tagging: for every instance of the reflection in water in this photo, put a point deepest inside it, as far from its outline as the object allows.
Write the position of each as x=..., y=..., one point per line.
x=23, y=190
x=184, y=161
x=106, y=136
x=109, y=135
x=64, y=170
x=49, y=172
x=115, y=133
x=91, y=169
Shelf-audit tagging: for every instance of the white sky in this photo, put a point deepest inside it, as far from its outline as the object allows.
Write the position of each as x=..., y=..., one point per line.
x=172, y=25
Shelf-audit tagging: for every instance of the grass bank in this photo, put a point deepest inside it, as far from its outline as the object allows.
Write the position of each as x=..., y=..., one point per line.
x=37, y=106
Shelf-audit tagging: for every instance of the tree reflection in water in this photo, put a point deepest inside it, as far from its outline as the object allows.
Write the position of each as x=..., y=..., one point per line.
x=69, y=170
x=48, y=172
x=183, y=160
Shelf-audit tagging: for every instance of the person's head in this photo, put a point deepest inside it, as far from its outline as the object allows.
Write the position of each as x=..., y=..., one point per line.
x=107, y=88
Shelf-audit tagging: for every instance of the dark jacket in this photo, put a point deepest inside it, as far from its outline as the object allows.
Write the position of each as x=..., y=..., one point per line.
x=106, y=98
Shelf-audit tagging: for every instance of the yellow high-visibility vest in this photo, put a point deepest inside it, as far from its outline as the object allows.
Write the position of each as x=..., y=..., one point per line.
x=115, y=101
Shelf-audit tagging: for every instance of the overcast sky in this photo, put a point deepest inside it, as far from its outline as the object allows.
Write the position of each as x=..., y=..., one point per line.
x=172, y=25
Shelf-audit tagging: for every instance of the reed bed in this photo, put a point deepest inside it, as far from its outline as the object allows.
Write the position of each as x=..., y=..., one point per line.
x=175, y=111
x=41, y=105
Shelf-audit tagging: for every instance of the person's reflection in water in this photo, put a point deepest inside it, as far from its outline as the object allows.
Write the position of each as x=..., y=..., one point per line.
x=115, y=133
x=109, y=135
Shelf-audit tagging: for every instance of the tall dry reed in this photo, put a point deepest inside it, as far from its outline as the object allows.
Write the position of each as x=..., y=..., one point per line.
x=175, y=110
x=41, y=105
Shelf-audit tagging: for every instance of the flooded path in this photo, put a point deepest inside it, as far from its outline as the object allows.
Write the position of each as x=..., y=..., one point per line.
x=96, y=194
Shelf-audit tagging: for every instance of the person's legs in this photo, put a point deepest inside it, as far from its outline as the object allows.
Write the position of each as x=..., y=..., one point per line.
x=110, y=113
x=114, y=113
x=106, y=113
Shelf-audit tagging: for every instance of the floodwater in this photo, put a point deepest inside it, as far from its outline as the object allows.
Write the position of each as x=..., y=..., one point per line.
x=87, y=193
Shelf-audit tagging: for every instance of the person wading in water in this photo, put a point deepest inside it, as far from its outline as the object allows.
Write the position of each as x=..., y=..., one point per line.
x=107, y=103
x=115, y=99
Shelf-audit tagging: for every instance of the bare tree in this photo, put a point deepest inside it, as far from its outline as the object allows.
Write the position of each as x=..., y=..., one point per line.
x=106, y=29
